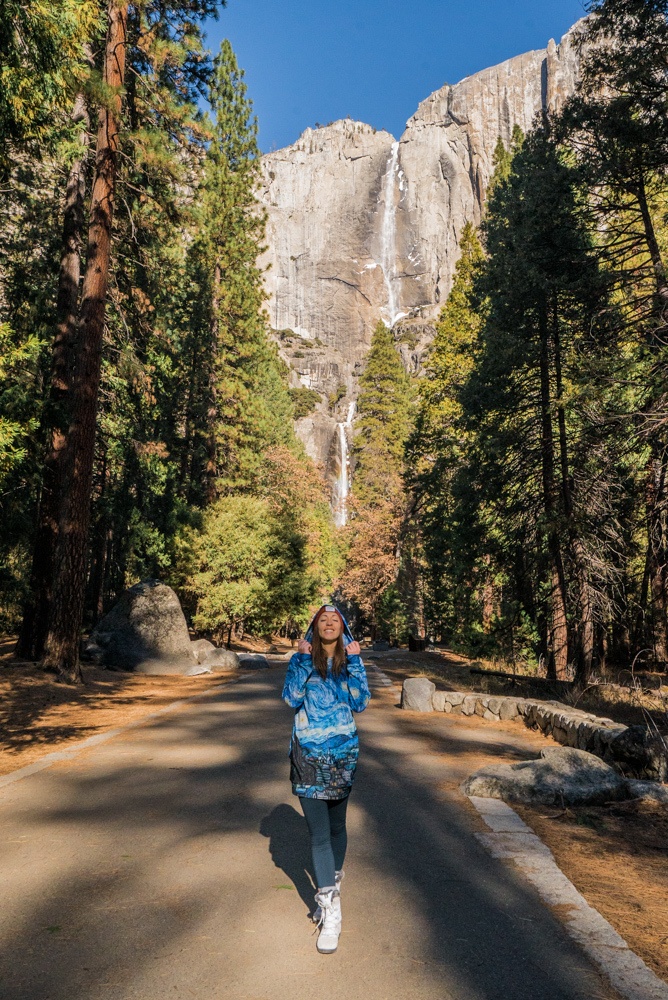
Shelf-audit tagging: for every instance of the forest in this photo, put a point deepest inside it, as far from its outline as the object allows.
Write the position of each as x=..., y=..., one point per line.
x=510, y=501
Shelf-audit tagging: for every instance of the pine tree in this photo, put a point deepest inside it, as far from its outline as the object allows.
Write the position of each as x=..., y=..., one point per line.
x=616, y=124
x=438, y=448
x=384, y=408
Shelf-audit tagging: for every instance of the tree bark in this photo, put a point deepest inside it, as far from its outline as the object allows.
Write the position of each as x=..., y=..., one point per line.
x=584, y=652
x=62, y=643
x=212, y=465
x=657, y=548
x=35, y=622
x=653, y=246
x=558, y=628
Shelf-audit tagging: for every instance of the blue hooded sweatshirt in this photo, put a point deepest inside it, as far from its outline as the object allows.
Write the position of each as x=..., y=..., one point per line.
x=325, y=744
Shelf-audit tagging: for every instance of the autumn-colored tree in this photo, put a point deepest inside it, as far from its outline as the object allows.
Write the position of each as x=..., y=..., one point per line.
x=377, y=504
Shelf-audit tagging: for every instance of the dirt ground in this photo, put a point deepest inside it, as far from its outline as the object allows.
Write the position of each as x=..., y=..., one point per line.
x=616, y=855
x=39, y=715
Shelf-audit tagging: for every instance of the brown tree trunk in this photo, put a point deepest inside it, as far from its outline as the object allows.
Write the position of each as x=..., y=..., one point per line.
x=34, y=627
x=657, y=550
x=653, y=246
x=62, y=643
x=584, y=653
x=558, y=627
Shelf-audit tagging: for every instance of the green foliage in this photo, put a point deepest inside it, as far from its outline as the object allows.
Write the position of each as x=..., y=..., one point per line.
x=42, y=65
x=336, y=396
x=392, y=617
x=383, y=417
x=304, y=401
x=195, y=417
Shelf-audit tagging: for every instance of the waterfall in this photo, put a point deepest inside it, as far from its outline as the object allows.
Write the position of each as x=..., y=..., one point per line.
x=388, y=235
x=342, y=484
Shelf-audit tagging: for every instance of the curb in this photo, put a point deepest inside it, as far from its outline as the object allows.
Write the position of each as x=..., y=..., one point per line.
x=511, y=839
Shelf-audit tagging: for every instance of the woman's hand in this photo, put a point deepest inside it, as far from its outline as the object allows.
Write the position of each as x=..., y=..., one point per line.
x=353, y=649
x=303, y=646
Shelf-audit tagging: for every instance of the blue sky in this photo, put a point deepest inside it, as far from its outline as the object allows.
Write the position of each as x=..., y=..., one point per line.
x=309, y=61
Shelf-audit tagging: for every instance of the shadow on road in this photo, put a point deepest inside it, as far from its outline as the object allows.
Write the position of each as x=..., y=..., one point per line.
x=289, y=848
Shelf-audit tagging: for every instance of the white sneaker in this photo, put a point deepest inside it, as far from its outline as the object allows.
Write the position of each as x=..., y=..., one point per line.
x=329, y=904
x=317, y=913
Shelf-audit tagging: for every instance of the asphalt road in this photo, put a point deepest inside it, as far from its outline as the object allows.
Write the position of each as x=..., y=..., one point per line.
x=172, y=862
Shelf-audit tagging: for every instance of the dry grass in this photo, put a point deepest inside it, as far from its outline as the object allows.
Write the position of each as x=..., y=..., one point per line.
x=39, y=715
x=617, y=856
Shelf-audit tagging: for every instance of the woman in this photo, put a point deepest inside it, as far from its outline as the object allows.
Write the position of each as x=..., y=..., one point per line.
x=325, y=684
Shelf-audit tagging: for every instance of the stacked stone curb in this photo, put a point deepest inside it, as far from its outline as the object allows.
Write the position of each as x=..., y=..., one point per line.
x=571, y=727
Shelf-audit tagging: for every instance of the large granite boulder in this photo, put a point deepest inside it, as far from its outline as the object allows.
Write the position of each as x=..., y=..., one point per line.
x=145, y=631
x=561, y=776
x=417, y=694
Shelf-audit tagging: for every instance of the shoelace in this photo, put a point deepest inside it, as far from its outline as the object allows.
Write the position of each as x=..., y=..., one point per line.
x=326, y=906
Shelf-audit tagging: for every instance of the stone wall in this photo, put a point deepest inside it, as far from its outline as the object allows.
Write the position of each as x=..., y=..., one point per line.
x=630, y=750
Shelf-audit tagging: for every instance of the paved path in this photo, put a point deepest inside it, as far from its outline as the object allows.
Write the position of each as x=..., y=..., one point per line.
x=171, y=862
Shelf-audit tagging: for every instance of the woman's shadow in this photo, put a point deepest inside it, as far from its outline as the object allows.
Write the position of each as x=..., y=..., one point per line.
x=289, y=848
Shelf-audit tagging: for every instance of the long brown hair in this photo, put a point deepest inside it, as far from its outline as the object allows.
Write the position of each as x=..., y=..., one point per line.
x=320, y=657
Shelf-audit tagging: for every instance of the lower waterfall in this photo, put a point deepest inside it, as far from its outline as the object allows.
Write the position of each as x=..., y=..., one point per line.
x=342, y=483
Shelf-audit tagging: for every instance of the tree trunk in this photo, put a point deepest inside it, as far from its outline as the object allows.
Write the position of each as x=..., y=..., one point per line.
x=62, y=644
x=653, y=247
x=558, y=628
x=212, y=465
x=57, y=417
x=584, y=652
x=657, y=547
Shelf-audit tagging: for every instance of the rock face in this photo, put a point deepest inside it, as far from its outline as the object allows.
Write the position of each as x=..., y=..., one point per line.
x=363, y=227
x=561, y=776
x=145, y=631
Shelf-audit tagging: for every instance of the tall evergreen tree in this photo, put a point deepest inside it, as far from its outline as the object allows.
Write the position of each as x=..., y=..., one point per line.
x=384, y=415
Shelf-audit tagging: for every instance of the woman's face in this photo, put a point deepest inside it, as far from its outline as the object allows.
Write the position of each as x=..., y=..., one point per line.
x=329, y=626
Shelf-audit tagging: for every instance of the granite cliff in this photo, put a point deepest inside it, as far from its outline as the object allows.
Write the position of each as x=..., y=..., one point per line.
x=362, y=226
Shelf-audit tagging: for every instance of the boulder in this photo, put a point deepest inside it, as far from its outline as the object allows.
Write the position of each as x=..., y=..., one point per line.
x=220, y=660
x=380, y=645
x=649, y=790
x=201, y=648
x=417, y=694
x=145, y=631
x=254, y=661
x=560, y=776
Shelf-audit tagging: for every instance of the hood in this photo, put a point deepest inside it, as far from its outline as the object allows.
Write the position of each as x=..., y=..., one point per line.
x=347, y=634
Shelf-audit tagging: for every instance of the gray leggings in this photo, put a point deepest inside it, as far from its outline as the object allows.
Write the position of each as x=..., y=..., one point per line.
x=327, y=826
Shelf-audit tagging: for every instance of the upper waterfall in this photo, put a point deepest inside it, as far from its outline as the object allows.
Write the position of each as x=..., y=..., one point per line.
x=388, y=235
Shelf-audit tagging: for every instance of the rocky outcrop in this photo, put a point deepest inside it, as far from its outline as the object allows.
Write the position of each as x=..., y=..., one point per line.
x=363, y=227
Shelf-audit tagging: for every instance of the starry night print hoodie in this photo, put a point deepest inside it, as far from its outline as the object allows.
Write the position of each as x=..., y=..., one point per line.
x=325, y=745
